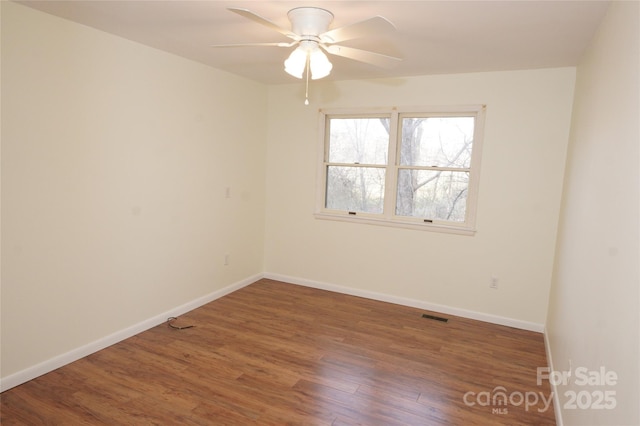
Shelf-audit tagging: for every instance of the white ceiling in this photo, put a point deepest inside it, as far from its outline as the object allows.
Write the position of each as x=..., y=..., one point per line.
x=433, y=37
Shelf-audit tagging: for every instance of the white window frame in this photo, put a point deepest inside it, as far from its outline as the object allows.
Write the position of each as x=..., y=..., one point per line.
x=388, y=217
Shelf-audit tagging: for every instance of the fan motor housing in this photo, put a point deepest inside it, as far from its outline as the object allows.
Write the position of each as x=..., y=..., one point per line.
x=310, y=21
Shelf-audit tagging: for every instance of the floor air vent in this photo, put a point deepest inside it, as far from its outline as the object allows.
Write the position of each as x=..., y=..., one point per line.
x=433, y=317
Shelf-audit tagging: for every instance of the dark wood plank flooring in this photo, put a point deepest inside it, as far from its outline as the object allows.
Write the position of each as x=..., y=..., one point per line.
x=274, y=353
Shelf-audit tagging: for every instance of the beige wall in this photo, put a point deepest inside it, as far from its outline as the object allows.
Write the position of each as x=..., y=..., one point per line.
x=115, y=162
x=594, y=301
x=526, y=133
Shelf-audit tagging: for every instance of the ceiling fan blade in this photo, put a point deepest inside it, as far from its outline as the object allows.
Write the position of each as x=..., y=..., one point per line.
x=373, y=58
x=256, y=44
x=371, y=26
x=264, y=21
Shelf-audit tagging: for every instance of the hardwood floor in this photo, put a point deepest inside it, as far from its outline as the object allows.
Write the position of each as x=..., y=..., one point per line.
x=275, y=353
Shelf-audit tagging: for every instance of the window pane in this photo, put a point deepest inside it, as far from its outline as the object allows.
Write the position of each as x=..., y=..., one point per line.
x=359, y=140
x=437, y=141
x=432, y=194
x=356, y=189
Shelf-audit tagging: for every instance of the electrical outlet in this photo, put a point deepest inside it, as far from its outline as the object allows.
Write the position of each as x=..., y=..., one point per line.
x=493, y=283
x=226, y=259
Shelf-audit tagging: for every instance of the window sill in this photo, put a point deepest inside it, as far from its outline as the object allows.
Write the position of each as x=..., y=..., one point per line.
x=432, y=227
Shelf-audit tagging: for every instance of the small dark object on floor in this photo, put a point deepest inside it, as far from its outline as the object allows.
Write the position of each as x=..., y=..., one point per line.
x=433, y=317
x=170, y=321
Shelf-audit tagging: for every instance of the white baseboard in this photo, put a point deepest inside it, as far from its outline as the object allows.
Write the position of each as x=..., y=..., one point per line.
x=74, y=355
x=557, y=408
x=480, y=316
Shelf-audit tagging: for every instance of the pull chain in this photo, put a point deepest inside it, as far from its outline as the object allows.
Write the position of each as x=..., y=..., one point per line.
x=306, y=92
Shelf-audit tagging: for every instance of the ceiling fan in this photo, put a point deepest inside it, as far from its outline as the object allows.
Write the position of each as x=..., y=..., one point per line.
x=310, y=32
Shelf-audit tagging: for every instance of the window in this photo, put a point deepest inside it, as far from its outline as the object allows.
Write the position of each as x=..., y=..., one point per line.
x=411, y=168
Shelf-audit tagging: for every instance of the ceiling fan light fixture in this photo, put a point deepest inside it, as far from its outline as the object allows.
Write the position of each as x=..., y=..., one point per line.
x=319, y=64
x=296, y=62
x=310, y=31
